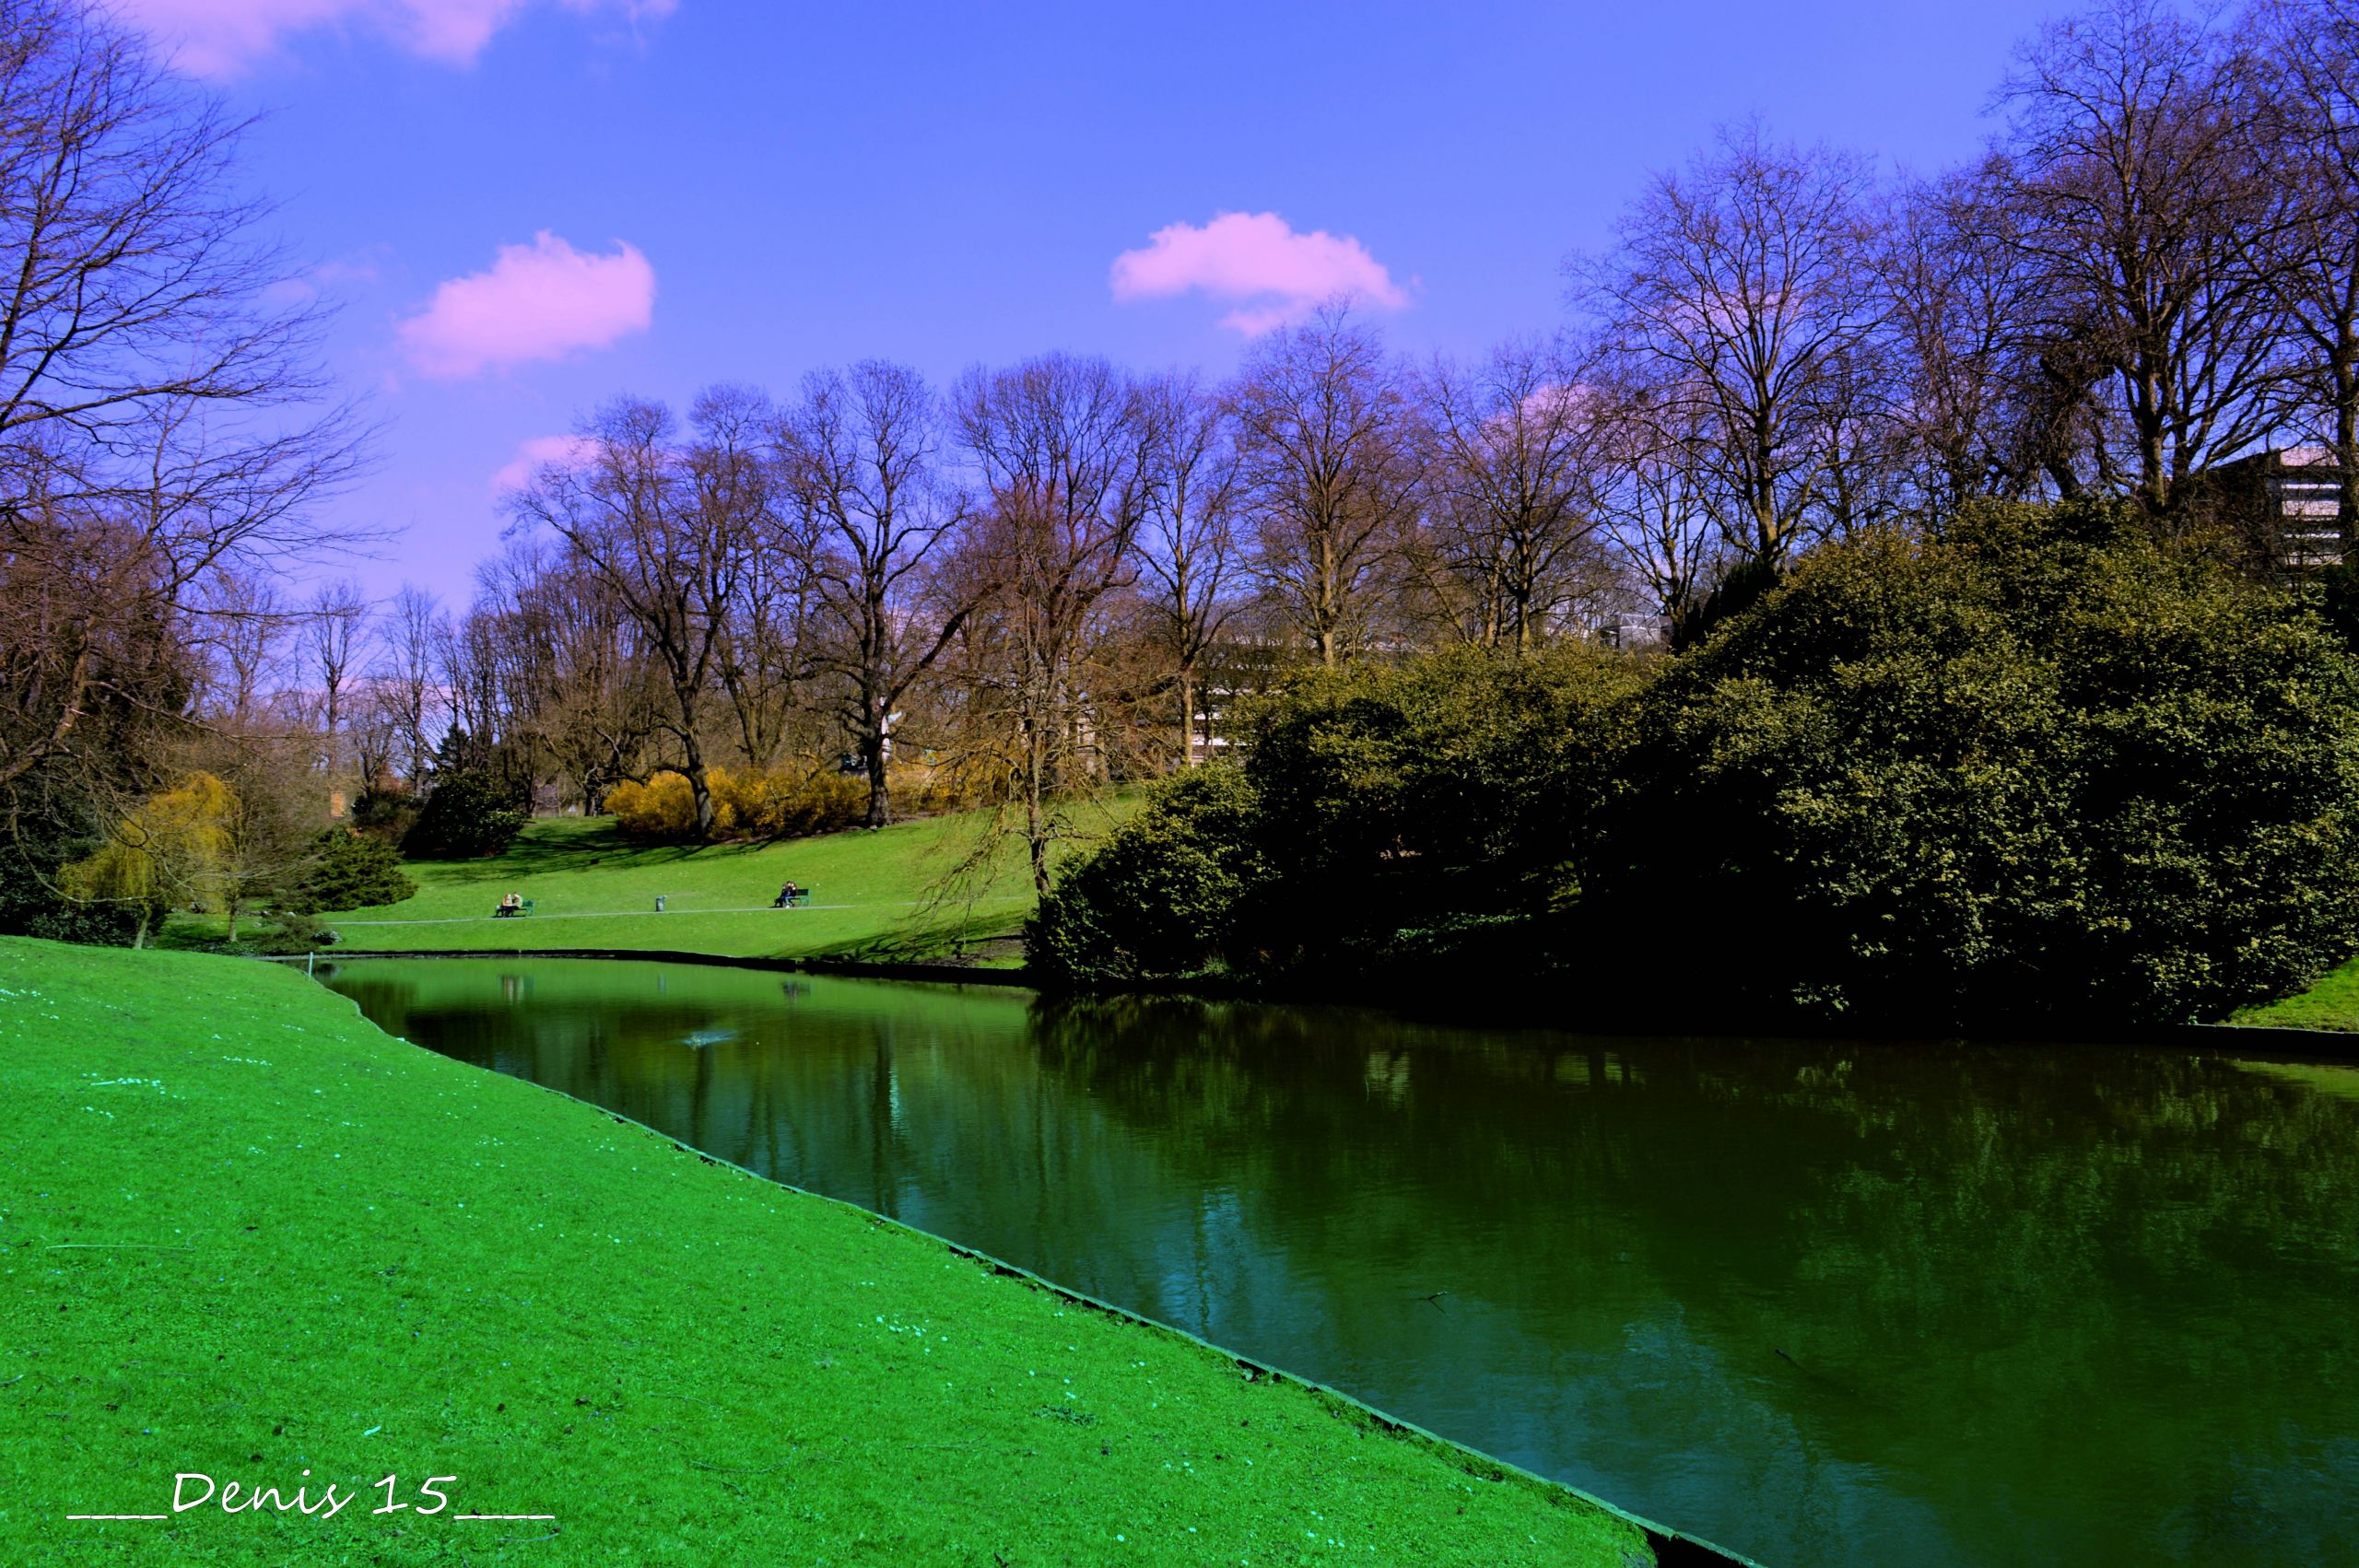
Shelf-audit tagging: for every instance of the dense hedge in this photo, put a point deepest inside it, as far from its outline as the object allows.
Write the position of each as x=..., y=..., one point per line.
x=2038, y=772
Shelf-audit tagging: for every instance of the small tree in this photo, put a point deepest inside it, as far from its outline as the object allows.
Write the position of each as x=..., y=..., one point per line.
x=173, y=848
x=352, y=871
x=468, y=816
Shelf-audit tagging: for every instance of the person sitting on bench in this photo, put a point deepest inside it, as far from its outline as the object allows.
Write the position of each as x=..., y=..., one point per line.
x=512, y=904
x=786, y=897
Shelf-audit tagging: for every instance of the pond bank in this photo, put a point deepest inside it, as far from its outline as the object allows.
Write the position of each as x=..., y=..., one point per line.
x=2252, y=1035
x=253, y=1238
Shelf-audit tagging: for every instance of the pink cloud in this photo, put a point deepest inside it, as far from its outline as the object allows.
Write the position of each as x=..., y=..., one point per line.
x=540, y=452
x=538, y=301
x=214, y=37
x=1256, y=258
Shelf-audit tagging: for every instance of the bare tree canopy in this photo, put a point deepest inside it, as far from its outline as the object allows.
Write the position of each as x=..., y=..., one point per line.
x=1327, y=432
x=669, y=527
x=1742, y=293
x=162, y=442
x=1065, y=448
x=1189, y=558
x=861, y=459
x=2144, y=208
x=2306, y=53
x=1514, y=479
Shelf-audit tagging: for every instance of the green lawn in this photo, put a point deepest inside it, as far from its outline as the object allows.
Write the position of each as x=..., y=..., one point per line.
x=874, y=895
x=246, y=1236
x=2332, y=1003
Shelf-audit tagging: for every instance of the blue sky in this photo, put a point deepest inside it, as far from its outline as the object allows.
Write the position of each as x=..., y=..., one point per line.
x=804, y=185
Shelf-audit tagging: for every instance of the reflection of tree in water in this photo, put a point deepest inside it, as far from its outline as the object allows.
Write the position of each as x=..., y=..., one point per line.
x=2064, y=1272
x=1827, y=1302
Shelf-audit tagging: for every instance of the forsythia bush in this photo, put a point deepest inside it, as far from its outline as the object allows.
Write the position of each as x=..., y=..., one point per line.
x=663, y=807
x=789, y=801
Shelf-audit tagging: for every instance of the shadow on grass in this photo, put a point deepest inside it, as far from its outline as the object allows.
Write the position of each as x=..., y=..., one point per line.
x=561, y=845
x=961, y=939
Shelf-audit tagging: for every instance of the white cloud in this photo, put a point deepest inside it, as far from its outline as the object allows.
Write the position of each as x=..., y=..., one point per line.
x=538, y=301
x=214, y=38
x=541, y=451
x=1256, y=259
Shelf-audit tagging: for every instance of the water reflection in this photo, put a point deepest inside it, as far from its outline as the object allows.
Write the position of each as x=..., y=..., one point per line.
x=1821, y=1302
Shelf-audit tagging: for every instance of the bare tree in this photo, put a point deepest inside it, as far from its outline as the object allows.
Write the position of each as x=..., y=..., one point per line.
x=765, y=661
x=1656, y=507
x=1741, y=291
x=331, y=631
x=2308, y=54
x=669, y=528
x=406, y=683
x=2144, y=208
x=1066, y=449
x=583, y=696
x=377, y=732
x=149, y=437
x=1981, y=404
x=1187, y=556
x=1514, y=473
x=862, y=455
x=1327, y=435
x=242, y=626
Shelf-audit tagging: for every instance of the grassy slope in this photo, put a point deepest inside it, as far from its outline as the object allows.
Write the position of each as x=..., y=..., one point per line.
x=245, y=1233
x=2332, y=1003
x=595, y=888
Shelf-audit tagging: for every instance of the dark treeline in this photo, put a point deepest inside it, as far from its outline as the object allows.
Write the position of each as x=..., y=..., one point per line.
x=862, y=593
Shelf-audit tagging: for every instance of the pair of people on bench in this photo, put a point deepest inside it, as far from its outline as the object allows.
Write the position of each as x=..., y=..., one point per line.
x=787, y=897
x=512, y=904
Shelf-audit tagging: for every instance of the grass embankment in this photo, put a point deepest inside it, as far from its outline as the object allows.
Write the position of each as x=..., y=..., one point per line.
x=247, y=1235
x=876, y=896
x=2332, y=1003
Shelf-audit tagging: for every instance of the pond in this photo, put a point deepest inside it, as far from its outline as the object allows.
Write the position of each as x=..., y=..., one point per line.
x=1820, y=1301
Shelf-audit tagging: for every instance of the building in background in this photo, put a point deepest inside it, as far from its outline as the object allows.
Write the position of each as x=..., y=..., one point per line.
x=2287, y=505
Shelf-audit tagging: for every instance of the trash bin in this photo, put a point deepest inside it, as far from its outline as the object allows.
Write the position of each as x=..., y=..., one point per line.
x=659, y=903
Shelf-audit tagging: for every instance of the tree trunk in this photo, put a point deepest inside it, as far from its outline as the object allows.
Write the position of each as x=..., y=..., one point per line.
x=1187, y=716
x=2345, y=365
x=875, y=743
x=699, y=787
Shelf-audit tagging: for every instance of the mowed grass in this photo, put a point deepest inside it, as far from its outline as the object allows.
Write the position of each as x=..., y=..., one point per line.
x=876, y=896
x=246, y=1236
x=2332, y=1003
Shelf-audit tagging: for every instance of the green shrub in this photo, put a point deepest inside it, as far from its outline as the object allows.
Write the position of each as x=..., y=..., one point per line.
x=2041, y=773
x=352, y=871
x=1162, y=895
x=1388, y=817
x=469, y=815
x=385, y=814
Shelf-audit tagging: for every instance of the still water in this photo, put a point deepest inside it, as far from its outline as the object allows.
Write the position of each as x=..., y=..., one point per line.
x=1823, y=1303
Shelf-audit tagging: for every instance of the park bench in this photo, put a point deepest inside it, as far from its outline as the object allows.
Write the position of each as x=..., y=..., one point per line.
x=802, y=895
x=524, y=908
